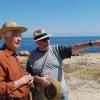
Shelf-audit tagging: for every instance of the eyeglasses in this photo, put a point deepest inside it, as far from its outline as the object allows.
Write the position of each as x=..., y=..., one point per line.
x=45, y=39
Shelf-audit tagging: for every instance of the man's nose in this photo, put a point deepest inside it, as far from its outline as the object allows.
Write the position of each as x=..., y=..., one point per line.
x=19, y=37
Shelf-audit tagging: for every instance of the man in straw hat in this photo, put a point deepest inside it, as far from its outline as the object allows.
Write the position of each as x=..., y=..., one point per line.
x=47, y=60
x=14, y=83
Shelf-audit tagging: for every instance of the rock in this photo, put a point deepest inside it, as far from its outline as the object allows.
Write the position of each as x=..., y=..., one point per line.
x=76, y=54
x=23, y=57
x=24, y=53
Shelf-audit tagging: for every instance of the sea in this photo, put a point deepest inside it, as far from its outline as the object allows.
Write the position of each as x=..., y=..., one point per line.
x=28, y=44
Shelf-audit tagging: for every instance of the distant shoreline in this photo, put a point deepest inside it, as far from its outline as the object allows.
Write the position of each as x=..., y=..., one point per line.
x=62, y=36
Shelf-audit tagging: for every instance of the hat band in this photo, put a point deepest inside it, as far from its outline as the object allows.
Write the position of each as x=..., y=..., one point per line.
x=42, y=35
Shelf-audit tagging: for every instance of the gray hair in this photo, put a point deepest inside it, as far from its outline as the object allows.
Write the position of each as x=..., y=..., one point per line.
x=6, y=34
x=9, y=33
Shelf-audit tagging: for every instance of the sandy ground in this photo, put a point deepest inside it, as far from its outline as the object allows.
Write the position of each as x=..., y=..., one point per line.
x=84, y=89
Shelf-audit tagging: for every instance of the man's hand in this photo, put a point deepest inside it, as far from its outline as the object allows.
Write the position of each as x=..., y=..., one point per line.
x=42, y=80
x=27, y=79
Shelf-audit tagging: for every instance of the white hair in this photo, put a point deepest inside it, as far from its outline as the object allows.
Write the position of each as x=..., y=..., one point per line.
x=9, y=33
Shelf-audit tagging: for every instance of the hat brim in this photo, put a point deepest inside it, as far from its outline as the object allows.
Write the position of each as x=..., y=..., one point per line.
x=4, y=30
x=54, y=89
x=43, y=37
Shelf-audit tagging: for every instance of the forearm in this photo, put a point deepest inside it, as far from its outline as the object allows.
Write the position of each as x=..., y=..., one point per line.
x=18, y=84
x=9, y=87
x=6, y=87
x=82, y=46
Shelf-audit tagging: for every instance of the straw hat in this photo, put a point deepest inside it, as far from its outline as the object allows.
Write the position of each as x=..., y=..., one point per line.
x=53, y=91
x=40, y=34
x=9, y=26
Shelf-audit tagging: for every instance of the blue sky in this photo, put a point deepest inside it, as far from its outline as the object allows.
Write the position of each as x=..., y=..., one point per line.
x=57, y=17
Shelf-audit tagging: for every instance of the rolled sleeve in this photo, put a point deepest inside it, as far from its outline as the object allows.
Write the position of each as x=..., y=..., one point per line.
x=10, y=87
x=5, y=87
x=65, y=51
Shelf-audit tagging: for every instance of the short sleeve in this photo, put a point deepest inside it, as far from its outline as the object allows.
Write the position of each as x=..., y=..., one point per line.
x=65, y=51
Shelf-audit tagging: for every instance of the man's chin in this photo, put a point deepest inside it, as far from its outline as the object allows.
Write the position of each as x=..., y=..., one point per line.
x=17, y=46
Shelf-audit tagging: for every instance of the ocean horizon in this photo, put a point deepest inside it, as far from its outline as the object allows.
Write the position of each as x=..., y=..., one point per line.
x=28, y=44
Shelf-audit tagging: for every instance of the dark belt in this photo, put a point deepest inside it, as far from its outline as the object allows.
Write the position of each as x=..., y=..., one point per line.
x=14, y=98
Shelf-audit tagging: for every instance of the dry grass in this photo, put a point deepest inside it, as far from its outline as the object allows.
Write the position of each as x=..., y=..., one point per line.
x=90, y=73
x=86, y=73
x=83, y=67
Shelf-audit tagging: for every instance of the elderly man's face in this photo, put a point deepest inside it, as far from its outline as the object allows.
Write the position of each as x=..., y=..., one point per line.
x=13, y=40
x=43, y=44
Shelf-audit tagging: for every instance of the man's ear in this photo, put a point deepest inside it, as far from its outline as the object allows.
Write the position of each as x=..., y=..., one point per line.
x=4, y=37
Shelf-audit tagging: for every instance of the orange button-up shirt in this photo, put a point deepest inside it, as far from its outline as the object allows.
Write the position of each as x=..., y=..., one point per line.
x=10, y=71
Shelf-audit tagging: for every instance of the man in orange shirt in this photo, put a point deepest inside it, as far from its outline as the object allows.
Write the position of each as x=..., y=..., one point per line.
x=14, y=83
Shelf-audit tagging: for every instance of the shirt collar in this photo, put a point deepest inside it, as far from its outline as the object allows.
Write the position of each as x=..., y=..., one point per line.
x=41, y=51
x=8, y=52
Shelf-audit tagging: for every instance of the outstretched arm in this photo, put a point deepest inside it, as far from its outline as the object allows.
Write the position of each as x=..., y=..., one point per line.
x=83, y=46
x=96, y=42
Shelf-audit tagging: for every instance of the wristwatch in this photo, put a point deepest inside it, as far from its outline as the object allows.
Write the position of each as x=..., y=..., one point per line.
x=90, y=43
